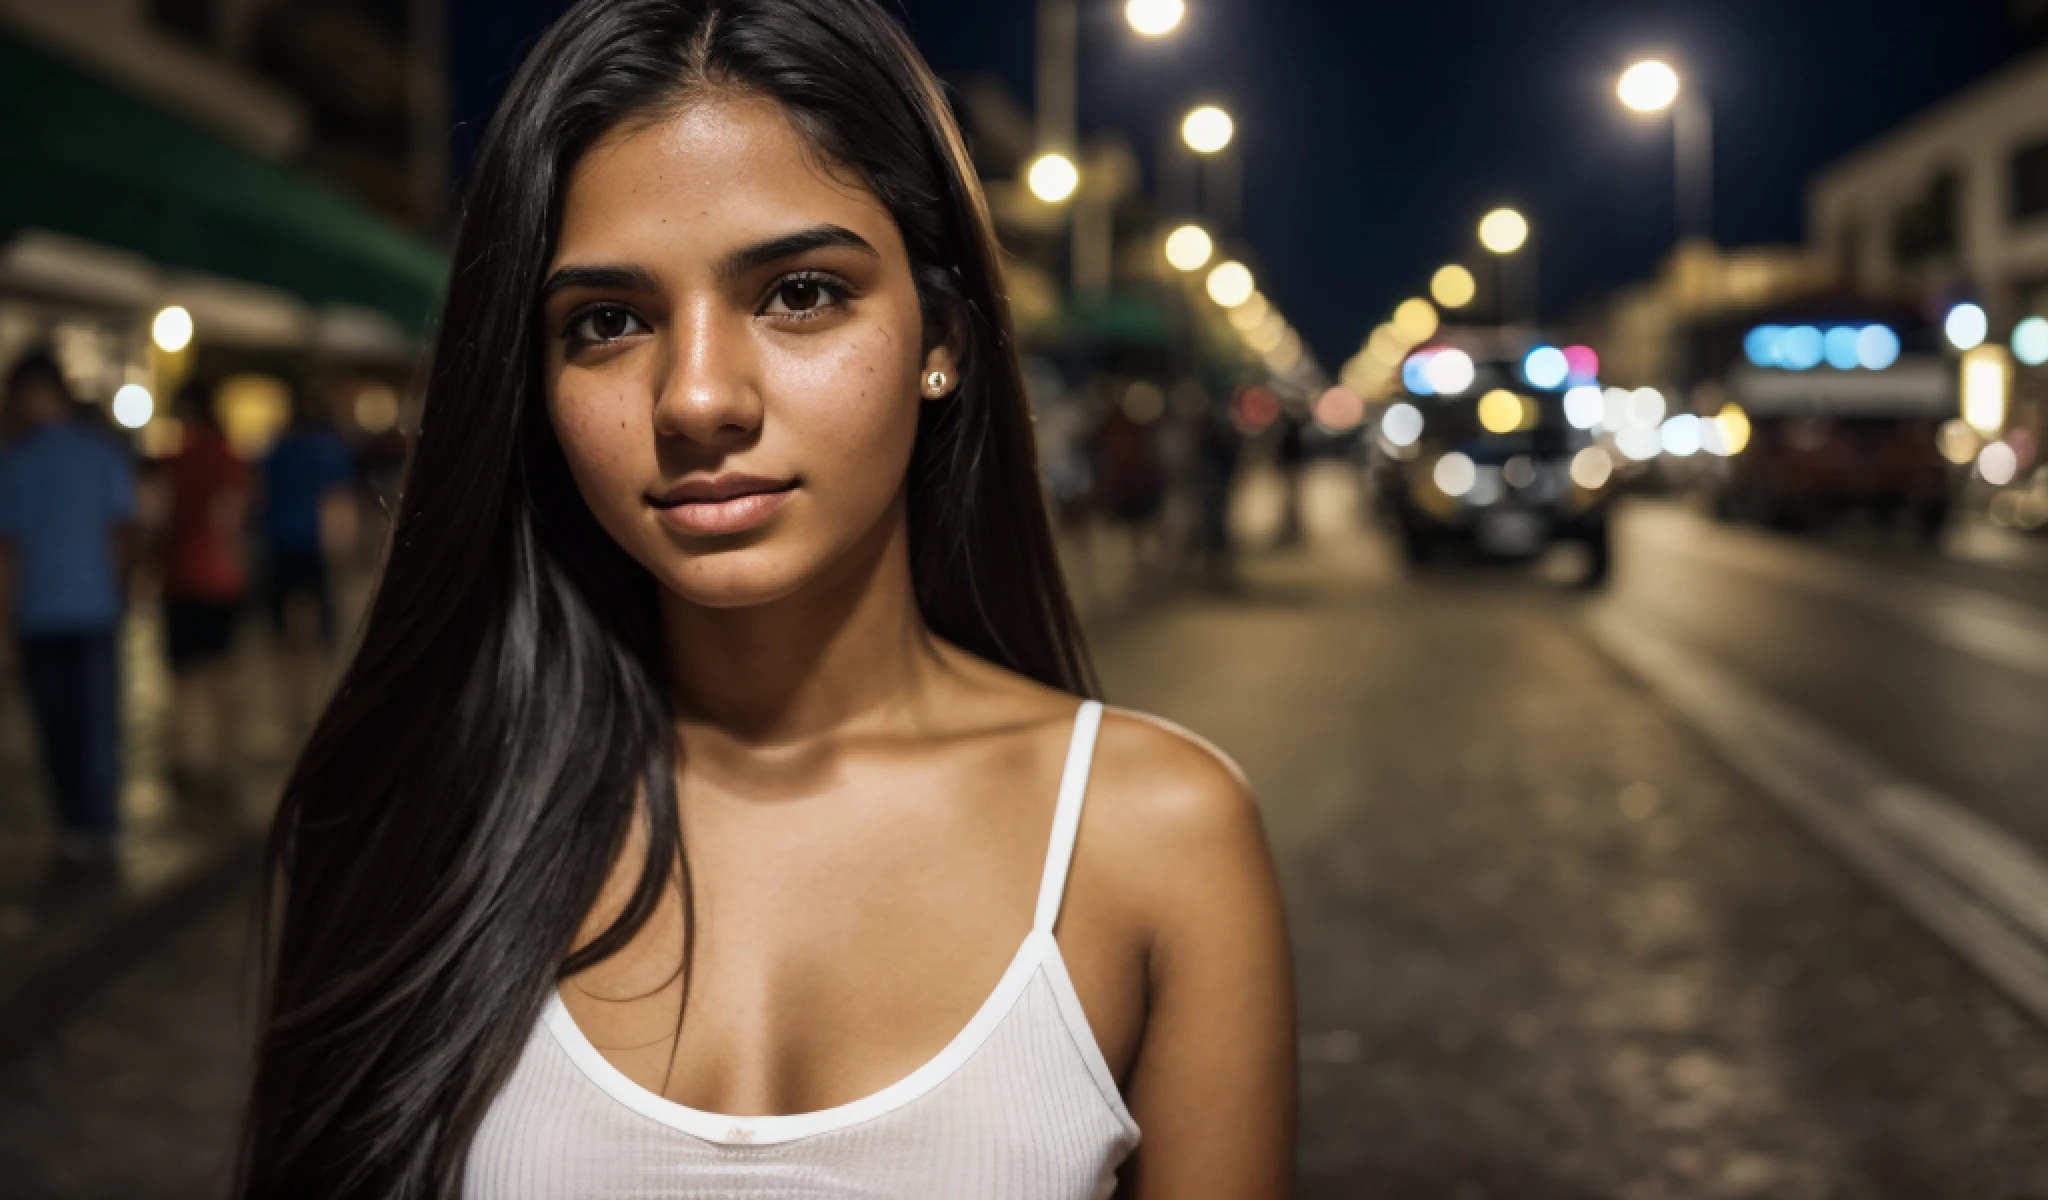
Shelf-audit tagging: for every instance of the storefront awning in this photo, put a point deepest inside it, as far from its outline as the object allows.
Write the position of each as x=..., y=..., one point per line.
x=82, y=157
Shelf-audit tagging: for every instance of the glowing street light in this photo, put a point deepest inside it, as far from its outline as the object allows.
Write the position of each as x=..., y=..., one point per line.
x=1231, y=284
x=1503, y=231
x=1649, y=86
x=172, y=330
x=1416, y=321
x=1189, y=248
x=133, y=406
x=1155, y=18
x=1207, y=130
x=1453, y=286
x=1054, y=178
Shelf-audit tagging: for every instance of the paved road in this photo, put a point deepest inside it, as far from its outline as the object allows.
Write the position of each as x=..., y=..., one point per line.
x=1552, y=941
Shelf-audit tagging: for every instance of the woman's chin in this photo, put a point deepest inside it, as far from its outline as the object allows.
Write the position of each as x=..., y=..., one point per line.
x=743, y=579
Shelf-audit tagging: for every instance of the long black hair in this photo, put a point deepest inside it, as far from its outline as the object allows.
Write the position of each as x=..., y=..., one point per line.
x=472, y=781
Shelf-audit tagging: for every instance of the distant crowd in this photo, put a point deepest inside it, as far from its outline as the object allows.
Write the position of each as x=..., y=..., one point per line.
x=86, y=528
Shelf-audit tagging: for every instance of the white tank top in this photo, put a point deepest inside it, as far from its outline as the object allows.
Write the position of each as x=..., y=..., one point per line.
x=1019, y=1106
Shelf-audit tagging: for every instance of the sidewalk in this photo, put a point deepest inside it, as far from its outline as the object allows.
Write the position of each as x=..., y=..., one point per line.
x=64, y=929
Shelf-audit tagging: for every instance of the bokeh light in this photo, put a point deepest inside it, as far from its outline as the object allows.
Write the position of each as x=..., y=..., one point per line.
x=1997, y=463
x=1255, y=409
x=1416, y=320
x=1155, y=18
x=1500, y=411
x=1401, y=425
x=171, y=330
x=2030, y=341
x=1053, y=178
x=1207, y=130
x=1639, y=445
x=1189, y=248
x=1731, y=430
x=1583, y=363
x=1546, y=367
x=1877, y=347
x=1503, y=231
x=1987, y=389
x=1340, y=410
x=133, y=406
x=1231, y=284
x=1966, y=326
x=1453, y=286
x=1958, y=442
x=1681, y=436
x=1649, y=86
x=1839, y=347
x=1454, y=474
x=1592, y=468
x=1584, y=406
x=1801, y=348
x=1415, y=373
x=1646, y=408
x=1450, y=372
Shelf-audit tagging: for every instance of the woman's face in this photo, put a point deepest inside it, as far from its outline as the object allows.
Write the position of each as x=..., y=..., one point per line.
x=735, y=352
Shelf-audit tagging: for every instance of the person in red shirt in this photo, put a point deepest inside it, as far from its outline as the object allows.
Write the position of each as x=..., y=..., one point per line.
x=205, y=584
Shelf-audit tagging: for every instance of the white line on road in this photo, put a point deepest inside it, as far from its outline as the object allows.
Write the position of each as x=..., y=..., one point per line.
x=1980, y=891
x=1990, y=627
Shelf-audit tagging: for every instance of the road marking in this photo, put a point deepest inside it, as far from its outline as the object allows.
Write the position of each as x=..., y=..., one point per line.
x=1994, y=628
x=1972, y=885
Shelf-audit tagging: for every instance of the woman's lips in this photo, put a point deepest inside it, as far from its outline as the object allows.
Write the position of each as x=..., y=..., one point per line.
x=723, y=507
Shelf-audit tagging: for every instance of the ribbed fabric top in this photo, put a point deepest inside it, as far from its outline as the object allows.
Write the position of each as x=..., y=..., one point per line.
x=1019, y=1105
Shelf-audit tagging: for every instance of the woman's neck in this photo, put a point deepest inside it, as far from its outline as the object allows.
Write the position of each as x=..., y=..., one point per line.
x=847, y=648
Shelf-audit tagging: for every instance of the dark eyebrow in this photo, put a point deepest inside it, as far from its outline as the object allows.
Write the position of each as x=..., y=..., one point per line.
x=599, y=278
x=749, y=259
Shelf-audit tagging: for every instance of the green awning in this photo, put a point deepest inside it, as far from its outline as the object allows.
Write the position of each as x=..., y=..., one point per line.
x=83, y=157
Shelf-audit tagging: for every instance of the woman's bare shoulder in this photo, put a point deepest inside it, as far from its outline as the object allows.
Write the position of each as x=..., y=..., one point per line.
x=1170, y=813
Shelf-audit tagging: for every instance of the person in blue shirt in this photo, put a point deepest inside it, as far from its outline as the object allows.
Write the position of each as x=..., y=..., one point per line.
x=67, y=501
x=308, y=481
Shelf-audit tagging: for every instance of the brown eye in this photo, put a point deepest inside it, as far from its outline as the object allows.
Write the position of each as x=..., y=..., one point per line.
x=801, y=295
x=605, y=323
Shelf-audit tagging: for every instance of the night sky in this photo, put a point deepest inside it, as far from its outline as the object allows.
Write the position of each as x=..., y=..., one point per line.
x=1377, y=133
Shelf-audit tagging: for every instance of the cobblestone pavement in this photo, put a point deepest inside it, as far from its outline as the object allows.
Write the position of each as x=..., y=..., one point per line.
x=1548, y=945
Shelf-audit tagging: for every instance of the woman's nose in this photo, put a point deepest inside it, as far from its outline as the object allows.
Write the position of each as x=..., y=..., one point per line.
x=710, y=394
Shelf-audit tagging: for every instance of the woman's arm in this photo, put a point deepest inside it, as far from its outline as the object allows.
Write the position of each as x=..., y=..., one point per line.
x=1213, y=1087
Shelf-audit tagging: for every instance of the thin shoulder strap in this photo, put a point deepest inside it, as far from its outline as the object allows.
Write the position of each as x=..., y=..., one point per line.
x=1066, y=817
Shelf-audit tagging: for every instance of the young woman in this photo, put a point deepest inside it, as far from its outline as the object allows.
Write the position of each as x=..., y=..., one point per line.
x=710, y=809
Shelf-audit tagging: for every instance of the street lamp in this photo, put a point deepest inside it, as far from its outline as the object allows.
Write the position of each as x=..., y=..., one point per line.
x=1231, y=285
x=1453, y=286
x=1649, y=86
x=1053, y=178
x=1503, y=231
x=1207, y=130
x=1652, y=87
x=1189, y=248
x=1155, y=18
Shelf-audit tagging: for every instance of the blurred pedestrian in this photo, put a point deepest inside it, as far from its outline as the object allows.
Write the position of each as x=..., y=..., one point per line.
x=205, y=587
x=1220, y=448
x=67, y=504
x=1291, y=456
x=309, y=500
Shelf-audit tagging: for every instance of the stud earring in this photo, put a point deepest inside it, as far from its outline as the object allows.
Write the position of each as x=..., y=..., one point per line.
x=935, y=384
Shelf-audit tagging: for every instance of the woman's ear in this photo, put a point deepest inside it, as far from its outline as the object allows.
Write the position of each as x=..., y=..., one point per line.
x=941, y=375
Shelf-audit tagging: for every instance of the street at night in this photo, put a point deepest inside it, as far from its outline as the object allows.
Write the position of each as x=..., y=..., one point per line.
x=1572, y=481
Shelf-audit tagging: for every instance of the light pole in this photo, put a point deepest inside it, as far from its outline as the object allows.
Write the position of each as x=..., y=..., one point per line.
x=1211, y=133
x=1059, y=159
x=1651, y=87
